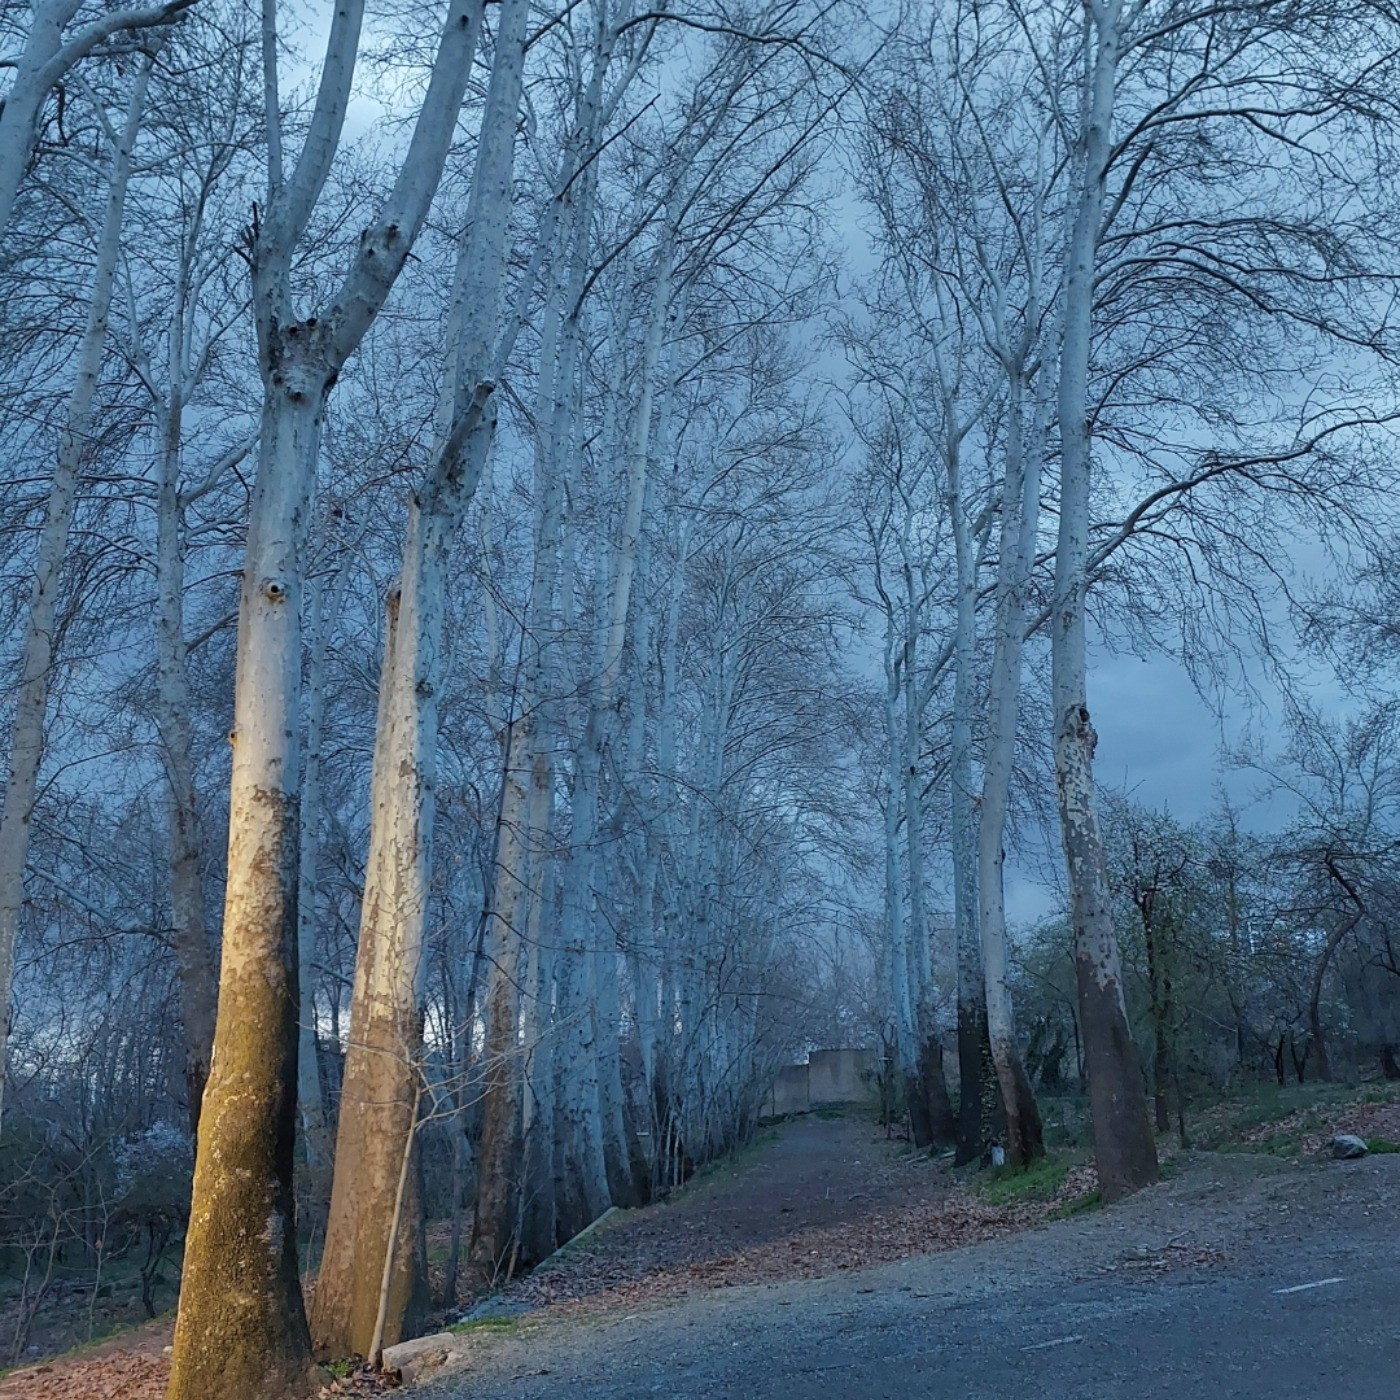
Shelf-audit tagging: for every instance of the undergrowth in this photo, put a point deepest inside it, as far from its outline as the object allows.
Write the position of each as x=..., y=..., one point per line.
x=1004, y=1186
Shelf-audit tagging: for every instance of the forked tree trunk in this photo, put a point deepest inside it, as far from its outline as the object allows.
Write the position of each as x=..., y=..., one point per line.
x=1124, y=1148
x=47, y=55
x=241, y=1331
x=38, y=650
x=376, y=1155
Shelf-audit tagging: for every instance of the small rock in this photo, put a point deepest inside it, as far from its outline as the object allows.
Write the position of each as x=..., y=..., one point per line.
x=422, y=1354
x=1346, y=1147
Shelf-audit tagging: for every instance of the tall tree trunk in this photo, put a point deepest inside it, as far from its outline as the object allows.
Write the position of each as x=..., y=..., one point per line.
x=241, y=1330
x=976, y=1088
x=498, y=1154
x=375, y=1148
x=315, y=1131
x=463, y=1030
x=536, y=1231
x=1124, y=1148
x=38, y=653
x=198, y=984
x=898, y=969
x=383, y=1063
x=1020, y=511
x=932, y=1120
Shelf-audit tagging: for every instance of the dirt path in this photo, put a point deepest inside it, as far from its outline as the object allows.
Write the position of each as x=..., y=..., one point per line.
x=827, y=1251
x=812, y=1198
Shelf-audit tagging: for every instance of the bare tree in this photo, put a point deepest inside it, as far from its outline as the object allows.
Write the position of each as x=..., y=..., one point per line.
x=40, y=631
x=244, y=1337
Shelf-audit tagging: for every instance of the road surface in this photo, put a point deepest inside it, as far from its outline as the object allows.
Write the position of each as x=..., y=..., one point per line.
x=1241, y=1280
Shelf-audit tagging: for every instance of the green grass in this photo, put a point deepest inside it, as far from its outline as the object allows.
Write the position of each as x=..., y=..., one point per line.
x=1081, y=1205
x=1004, y=1186
x=735, y=1161
x=1381, y=1146
x=1275, y=1145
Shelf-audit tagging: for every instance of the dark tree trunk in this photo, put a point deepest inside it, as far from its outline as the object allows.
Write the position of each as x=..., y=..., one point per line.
x=1300, y=1062
x=1317, y=1049
x=1025, y=1132
x=980, y=1112
x=938, y=1106
x=500, y=1153
x=916, y=1104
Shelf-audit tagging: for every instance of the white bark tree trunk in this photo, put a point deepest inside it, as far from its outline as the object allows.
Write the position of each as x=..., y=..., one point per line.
x=973, y=1112
x=1124, y=1148
x=382, y=1069
x=38, y=653
x=48, y=54
x=198, y=982
x=241, y=1330
x=310, y=1105
x=587, y=873
x=1020, y=512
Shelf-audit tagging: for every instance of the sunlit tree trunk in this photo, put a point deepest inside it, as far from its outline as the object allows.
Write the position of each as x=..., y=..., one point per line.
x=241, y=1330
x=382, y=1064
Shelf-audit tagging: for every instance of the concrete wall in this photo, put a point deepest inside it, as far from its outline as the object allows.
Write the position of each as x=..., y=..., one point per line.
x=840, y=1076
x=829, y=1076
x=789, y=1092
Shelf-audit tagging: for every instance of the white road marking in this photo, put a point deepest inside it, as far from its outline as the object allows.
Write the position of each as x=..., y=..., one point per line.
x=1056, y=1342
x=1303, y=1287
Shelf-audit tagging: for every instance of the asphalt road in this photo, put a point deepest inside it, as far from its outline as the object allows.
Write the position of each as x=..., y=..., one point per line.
x=1242, y=1280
